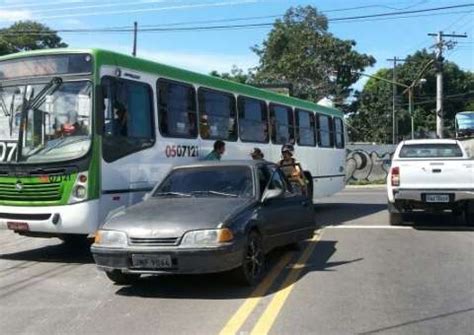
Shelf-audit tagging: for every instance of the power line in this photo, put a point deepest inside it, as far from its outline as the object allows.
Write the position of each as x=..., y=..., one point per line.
x=159, y=28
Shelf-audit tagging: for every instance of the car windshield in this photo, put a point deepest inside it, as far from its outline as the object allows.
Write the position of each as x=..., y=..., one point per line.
x=218, y=181
x=438, y=150
x=56, y=121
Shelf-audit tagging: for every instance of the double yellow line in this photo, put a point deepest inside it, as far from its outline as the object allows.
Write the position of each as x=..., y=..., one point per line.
x=267, y=319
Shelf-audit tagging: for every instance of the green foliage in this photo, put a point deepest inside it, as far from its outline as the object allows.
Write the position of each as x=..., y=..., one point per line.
x=28, y=35
x=236, y=74
x=299, y=50
x=372, y=119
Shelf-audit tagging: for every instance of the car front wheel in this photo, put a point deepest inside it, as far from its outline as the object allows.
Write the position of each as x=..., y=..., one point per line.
x=253, y=263
x=120, y=278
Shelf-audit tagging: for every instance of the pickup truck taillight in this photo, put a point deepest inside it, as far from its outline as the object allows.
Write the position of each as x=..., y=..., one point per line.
x=395, y=176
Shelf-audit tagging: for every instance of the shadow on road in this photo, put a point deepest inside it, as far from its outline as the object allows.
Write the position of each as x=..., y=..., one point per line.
x=340, y=213
x=59, y=253
x=221, y=287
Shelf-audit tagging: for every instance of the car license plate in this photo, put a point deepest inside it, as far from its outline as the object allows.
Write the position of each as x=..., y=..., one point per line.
x=437, y=198
x=18, y=226
x=152, y=261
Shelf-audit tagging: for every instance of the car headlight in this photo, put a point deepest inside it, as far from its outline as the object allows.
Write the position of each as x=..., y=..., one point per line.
x=111, y=239
x=206, y=238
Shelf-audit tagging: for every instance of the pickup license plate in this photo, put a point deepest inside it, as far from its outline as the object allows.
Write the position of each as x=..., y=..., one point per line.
x=18, y=226
x=437, y=198
x=151, y=261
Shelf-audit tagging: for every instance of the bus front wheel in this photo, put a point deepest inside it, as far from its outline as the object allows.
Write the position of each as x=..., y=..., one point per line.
x=75, y=240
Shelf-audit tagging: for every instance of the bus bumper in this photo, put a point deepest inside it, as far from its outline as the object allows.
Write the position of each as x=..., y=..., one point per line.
x=80, y=218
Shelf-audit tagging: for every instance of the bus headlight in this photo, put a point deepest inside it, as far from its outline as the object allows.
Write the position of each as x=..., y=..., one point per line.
x=79, y=190
x=206, y=238
x=111, y=239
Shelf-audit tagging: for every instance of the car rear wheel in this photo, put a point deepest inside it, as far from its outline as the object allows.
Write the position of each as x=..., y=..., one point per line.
x=469, y=213
x=120, y=278
x=395, y=219
x=253, y=263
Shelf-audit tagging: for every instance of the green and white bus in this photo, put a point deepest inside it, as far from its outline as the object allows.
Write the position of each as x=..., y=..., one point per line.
x=86, y=133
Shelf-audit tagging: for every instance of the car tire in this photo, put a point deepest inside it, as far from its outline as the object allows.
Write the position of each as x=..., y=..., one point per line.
x=469, y=214
x=395, y=219
x=253, y=261
x=120, y=278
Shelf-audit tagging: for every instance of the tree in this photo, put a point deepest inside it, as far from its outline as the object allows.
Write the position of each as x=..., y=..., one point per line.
x=299, y=50
x=236, y=74
x=368, y=110
x=371, y=119
x=28, y=35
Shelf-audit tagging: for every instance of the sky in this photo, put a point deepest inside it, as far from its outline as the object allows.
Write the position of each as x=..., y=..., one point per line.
x=204, y=51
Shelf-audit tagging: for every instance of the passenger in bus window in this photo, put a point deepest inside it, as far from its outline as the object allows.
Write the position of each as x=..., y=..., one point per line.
x=120, y=122
x=257, y=154
x=204, y=126
x=216, y=154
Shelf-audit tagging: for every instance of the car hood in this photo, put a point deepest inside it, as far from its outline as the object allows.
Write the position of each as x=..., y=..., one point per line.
x=172, y=217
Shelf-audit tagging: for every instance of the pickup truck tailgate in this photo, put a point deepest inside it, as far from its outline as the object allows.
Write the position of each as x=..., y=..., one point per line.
x=436, y=174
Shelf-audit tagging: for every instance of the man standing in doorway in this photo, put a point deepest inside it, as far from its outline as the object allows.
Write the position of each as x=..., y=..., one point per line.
x=216, y=154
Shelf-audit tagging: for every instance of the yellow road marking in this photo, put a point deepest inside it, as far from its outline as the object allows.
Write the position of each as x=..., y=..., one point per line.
x=238, y=319
x=268, y=317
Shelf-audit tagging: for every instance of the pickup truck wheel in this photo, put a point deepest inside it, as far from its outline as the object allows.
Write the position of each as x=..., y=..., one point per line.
x=120, y=278
x=395, y=219
x=469, y=214
x=253, y=263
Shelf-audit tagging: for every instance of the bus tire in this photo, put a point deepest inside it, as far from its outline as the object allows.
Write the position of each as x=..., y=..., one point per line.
x=309, y=184
x=75, y=240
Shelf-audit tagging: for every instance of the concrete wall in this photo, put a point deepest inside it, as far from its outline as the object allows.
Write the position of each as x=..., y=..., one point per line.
x=368, y=162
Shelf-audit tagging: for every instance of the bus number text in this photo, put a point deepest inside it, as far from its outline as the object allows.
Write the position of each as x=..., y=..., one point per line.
x=182, y=151
x=7, y=151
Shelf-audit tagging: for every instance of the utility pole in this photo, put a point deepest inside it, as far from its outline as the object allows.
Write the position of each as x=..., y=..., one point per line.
x=394, y=97
x=440, y=45
x=135, y=30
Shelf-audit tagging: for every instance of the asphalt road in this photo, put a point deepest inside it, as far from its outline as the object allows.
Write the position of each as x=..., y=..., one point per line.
x=357, y=276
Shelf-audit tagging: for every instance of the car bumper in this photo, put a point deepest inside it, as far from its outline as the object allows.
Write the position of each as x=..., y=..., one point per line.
x=412, y=200
x=418, y=194
x=185, y=261
x=79, y=218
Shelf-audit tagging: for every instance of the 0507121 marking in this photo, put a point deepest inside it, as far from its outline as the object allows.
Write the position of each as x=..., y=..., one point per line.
x=172, y=151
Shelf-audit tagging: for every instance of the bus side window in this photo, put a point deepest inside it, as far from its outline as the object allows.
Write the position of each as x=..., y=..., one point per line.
x=177, y=109
x=339, y=133
x=282, y=124
x=128, y=117
x=325, y=130
x=253, y=120
x=217, y=116
x=305, y=128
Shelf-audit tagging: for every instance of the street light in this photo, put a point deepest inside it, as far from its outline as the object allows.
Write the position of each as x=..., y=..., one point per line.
x=408, y=89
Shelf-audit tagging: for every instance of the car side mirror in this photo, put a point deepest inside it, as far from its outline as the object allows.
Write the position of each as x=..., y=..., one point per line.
x=271, y=194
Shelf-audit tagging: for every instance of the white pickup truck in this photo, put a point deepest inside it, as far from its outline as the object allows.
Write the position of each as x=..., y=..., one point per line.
x=431, y=176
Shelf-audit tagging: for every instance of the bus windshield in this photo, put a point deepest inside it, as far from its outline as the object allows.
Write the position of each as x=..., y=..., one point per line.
x=465, y=124
x=45, y=122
